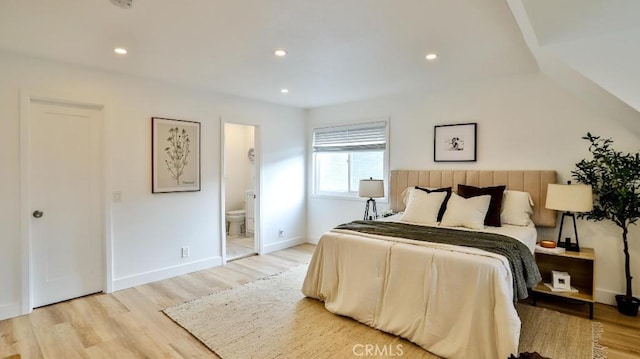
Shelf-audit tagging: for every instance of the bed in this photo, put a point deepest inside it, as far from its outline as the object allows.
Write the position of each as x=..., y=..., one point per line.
x=454, y=300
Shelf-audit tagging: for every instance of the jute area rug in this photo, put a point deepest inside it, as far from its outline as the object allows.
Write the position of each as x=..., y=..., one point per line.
x=270, y=318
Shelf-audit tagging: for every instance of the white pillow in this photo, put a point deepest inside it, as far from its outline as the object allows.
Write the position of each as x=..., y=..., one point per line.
x=466, y=212
x=516, y=208
x=423, y=207
x=405, y=194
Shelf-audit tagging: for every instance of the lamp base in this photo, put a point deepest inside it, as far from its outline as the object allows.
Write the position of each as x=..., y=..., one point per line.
x=366, y=210
x=566, y=244
x=571, y=247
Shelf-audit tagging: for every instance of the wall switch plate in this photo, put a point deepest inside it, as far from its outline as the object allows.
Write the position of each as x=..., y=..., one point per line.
x=185, y=252
x=117, y=196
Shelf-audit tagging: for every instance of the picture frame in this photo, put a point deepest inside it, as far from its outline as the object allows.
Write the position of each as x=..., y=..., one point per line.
x=455, y=143
x=175, y=149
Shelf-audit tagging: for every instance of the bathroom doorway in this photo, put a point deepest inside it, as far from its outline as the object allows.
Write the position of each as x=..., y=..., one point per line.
x=240, y=178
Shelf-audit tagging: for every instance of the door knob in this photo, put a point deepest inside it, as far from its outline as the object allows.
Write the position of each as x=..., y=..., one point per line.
x=37, y=214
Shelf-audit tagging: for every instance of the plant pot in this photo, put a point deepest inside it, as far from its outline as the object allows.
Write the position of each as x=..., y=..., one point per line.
x=628, y=306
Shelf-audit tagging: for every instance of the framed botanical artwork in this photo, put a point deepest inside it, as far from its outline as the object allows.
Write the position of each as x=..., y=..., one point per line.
x=175, y=148
x=455, y=143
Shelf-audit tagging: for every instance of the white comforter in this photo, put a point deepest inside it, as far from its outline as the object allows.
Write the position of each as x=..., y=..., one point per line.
x=455, y=302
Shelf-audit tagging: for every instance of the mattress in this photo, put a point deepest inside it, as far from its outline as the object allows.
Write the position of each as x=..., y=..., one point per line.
x=456, y=302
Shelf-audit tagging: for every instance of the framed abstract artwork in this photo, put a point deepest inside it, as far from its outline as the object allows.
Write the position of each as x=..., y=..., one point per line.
x=455, y=143
x=175, y=155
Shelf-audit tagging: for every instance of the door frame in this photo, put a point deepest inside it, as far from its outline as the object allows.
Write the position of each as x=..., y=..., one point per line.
x=26, y=99
x=257, y=144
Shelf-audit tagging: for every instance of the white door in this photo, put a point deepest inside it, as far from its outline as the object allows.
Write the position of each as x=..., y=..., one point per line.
x=65, y=200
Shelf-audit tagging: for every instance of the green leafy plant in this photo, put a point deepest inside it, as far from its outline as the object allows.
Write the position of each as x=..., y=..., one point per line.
x=615, y=179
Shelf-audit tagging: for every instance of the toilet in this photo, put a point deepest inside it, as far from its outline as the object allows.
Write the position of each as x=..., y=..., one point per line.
x=236, y=220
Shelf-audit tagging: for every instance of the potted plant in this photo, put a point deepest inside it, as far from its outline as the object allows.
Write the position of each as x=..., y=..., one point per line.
x=615, y=179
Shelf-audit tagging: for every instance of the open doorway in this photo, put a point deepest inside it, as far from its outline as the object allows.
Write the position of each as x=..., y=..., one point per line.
x=241, y=172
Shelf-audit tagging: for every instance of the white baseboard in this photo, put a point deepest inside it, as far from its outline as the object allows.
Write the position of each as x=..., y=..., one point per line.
x=606, y=296
x=10, y=310
x=164, y=273
x=272, y=247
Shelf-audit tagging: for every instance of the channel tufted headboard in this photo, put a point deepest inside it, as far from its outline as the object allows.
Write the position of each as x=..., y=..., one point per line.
x=534, y=182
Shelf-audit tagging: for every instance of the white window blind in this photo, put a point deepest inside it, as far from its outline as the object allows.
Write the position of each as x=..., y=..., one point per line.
x=360, y=137
x=343, y=155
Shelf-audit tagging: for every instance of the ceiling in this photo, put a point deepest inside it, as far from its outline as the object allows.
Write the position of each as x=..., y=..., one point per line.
x=598, y=39
x=338, y=50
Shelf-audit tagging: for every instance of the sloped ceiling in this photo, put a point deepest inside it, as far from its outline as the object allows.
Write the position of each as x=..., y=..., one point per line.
x=339, y=50
x=598, y=39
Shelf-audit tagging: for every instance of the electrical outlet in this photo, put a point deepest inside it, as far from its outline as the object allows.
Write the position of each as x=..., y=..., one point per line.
x=281, y=233
x=185, y=252
x=117, y=196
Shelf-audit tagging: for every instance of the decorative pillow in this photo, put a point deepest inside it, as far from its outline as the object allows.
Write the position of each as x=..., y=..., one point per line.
x=405, y=194
x=423, y=207
x=493, y=214
x=466, y=212
x=516, y=208
x=443, y=207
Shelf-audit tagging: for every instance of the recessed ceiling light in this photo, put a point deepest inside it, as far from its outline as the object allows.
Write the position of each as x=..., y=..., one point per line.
x=284, y=90
x=431, y=56
x=280, y=53
x=125, y=4
x=120, y=51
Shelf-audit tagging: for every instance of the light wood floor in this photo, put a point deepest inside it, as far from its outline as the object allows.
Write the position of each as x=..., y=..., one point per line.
x=129, y=324
x=621, y=333
x=240, y=247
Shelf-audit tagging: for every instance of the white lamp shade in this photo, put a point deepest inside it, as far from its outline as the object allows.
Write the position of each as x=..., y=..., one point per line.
x=569, y=197
x=371, y=188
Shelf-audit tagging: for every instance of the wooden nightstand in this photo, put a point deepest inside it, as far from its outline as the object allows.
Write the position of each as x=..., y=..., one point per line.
x=581, y=266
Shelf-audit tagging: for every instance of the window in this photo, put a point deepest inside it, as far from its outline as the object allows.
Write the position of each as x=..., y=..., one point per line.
x=343, y=155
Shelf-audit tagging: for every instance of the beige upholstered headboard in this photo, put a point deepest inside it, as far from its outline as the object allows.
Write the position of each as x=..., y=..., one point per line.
x=534, y=182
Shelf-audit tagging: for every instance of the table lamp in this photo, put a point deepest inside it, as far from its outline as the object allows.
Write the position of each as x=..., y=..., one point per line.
x=371, y=188
x=569, y=198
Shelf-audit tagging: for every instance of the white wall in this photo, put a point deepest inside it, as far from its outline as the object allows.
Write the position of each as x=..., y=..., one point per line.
x=250, y=173
x=149, y=229
x=524, y=122
x=239, y=171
